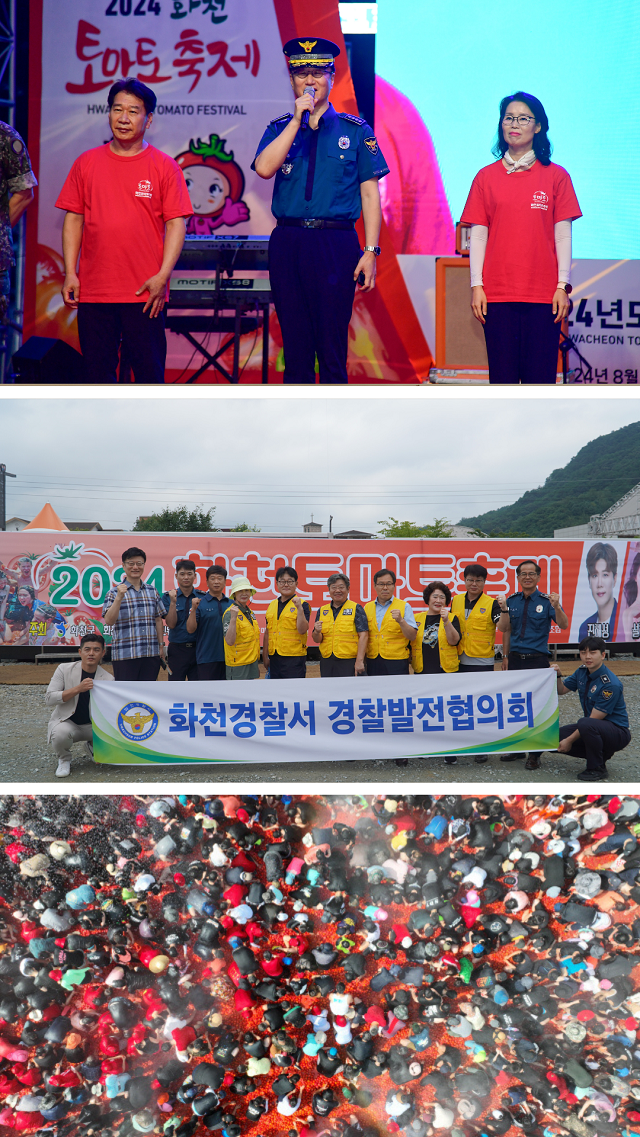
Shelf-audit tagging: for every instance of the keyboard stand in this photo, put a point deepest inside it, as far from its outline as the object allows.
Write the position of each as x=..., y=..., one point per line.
x=235, y=326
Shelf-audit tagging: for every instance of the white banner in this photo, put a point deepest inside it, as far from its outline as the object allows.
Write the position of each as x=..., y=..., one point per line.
x=292, y=720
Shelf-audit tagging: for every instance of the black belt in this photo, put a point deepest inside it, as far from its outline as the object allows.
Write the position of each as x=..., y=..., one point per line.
x=315, y=223
x=530, y=654
x=184, y=645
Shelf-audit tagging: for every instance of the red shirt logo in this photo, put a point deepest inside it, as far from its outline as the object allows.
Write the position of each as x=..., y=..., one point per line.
x=145, y=189
x=540, y=200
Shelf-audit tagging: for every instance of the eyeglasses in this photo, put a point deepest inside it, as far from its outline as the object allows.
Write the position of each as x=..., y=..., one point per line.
x=314, y=73
x=286, y=580
x=527, y=575
x=522, y=119
x=134, y=564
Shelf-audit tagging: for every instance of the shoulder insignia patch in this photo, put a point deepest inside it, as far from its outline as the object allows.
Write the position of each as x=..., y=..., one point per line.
x=352, y=118
x=371, y=144
x=281, y=118
x=605, y=679
x=607, y=694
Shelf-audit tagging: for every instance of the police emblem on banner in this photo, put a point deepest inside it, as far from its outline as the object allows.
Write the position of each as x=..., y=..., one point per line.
x=137, y=721
x=344, y=142
x=371, y=144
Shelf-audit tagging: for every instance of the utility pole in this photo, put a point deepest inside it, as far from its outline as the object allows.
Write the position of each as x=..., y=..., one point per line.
x=330, y=521
x=4, y=474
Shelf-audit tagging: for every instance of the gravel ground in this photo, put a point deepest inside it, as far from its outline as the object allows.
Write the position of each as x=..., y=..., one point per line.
x=25, y=756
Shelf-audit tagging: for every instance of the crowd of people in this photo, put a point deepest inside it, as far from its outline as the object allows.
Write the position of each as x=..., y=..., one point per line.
x=320, y=966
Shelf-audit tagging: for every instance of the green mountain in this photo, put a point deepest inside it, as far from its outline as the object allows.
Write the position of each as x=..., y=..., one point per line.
x=598, y=476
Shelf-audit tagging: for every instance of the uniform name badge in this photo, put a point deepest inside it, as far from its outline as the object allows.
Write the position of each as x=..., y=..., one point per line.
x=344, y=142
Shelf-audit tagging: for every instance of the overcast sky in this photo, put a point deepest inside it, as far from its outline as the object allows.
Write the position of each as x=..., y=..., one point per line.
x=273, y=464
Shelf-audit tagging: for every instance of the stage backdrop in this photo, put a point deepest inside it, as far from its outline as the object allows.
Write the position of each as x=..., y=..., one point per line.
x=73, y=572
x=338, y=719
x=219, y=74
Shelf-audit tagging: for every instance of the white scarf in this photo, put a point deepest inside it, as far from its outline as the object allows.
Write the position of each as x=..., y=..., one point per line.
x=523, y=163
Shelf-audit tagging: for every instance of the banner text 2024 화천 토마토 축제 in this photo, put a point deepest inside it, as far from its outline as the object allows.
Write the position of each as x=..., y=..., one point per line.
x=338, y=719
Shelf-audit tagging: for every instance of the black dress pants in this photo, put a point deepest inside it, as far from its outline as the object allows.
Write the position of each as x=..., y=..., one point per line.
x=182, y=662
x=212, y=672
x=334, y=668
x=599, y=740
x=143, y=670
x=314, y=311
x=380, y=666
x=522, y=343
x=104, y=327
x=287, y=666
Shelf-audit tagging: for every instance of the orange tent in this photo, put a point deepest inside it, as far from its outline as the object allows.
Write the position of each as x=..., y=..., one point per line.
x=47, y=518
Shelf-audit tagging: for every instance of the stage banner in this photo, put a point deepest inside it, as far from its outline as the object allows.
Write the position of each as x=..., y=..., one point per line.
x=329, y=720
x=53, y=585
x=219, y=74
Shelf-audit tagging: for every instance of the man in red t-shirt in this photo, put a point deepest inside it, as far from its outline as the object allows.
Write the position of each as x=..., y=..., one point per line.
x=127, y=204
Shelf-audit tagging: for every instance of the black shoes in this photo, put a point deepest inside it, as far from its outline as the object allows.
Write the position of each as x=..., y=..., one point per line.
x=593, y=775
x=451, y=759
x=511, y=757
x=480, y=758
x=533, y=762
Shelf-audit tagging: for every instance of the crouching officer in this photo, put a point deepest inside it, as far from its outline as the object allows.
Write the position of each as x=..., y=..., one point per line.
x=605, y=727
x=284, y=648
x=342, y=630
x=326, y=166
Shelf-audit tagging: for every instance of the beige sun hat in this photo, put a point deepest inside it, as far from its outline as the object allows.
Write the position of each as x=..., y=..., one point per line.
x=239, y=583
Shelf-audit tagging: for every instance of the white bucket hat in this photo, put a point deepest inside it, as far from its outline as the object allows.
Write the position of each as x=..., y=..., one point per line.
x=239, y=584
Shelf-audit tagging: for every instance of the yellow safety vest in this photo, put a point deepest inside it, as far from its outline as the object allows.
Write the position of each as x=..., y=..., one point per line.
x=388, y=641
x=284, y=637
x=246, y=649
x=339, y=636
x=478, y=633
x=448, y=655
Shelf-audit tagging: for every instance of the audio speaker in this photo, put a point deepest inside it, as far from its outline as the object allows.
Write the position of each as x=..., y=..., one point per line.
x=44, y=360
x=459, y=337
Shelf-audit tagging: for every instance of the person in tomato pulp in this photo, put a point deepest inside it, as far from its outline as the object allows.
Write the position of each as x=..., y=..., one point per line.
x=520, y=209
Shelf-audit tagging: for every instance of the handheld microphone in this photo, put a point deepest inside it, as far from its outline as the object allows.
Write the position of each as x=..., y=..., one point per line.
x=305, y=114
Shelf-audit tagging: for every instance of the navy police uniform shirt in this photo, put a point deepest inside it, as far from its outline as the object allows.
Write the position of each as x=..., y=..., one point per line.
x=179, y=634
x=209, y=641
x=321, y=175
x=601, y=690
x=531, y=619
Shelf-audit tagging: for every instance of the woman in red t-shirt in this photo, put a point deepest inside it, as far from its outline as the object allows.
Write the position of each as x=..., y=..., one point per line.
x=520, y=210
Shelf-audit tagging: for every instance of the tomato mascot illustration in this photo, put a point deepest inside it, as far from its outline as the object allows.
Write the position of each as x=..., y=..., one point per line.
x=215, y=183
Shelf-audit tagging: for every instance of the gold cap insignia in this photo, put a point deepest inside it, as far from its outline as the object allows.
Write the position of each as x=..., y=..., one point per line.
x=307, y=44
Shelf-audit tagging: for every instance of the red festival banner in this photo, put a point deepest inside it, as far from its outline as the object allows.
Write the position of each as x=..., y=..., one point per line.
x=219, y=74
x=52, y=585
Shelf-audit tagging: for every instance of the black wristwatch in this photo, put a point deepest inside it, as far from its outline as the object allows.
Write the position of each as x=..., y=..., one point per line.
x=565, y=287
x=372, y=249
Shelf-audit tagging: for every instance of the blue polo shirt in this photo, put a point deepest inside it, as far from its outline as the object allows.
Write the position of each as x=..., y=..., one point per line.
x=179, y=634
x=531, y=619
x=321, y=175
x=600, y=689
x=209, y=636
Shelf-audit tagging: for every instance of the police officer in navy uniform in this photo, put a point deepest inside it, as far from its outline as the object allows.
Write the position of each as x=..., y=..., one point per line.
x=326, y=172
x=181, y=655
x=525, y=624
x=605, y=726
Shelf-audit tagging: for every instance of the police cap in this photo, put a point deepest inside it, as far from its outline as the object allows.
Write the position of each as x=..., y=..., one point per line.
x=309, y=52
